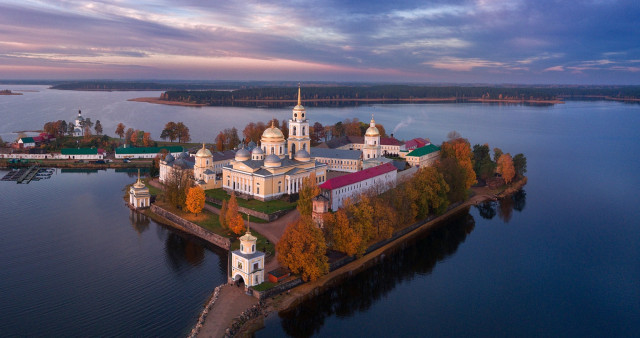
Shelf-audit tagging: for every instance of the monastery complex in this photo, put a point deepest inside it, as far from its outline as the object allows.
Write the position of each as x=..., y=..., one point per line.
x=277, y=165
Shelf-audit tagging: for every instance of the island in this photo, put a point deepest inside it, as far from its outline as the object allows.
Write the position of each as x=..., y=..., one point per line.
x=8, y=92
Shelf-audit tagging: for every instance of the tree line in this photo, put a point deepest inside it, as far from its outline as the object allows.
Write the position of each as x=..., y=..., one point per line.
x=376, y=215
x=396, y=92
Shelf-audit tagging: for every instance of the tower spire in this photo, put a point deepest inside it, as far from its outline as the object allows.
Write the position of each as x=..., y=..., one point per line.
x=299, y=98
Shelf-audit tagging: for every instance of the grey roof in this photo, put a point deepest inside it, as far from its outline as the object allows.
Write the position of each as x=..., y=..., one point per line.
x=272, y=158
x=248, y=256
x=224, y=155
x=336, y=153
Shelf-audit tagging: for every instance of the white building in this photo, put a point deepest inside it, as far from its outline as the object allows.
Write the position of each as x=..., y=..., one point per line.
x=77, y=128
x=26, y=142
x=146, y=152
x=424, y=156
x=247, y=264
x=139, y=196
x=378, y=179
x=371, y=147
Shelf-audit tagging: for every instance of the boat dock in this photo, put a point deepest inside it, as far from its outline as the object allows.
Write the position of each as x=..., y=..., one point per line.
x=26, y=175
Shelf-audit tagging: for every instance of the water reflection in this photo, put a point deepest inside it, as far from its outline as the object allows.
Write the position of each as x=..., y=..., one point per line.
x=504, y=207
x=358, y=293
x=139, y=222
x=182, y=250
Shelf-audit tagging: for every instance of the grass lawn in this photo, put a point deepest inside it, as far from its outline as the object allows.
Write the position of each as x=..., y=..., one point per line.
x=152, y=190
x=263, y=286
x=211, y=222
x=266, y=207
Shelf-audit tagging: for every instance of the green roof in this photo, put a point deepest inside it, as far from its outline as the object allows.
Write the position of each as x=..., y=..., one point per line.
x=79, y=151
x=28, y=140
x=428, y=149
x=149, y=150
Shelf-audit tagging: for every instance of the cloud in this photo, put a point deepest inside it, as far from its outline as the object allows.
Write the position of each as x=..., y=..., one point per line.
x=554, y=69
x=403, y=40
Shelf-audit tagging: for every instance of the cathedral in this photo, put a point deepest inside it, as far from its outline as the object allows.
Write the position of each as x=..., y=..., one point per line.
x=276, y=167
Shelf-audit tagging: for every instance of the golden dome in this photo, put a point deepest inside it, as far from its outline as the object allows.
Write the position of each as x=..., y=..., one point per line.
x=204, y=152
x=272, y=134
x=372, y=131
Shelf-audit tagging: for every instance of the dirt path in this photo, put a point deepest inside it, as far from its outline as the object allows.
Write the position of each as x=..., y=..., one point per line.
x=231, y=302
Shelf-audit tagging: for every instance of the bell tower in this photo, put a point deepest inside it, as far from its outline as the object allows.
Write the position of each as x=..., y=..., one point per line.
x=298, y=129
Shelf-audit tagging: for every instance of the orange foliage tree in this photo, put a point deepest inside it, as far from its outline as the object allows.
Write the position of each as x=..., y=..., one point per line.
x=308, y=190
x=233, y=218
x=385, y=218
x=460, y=149
x=303, y=249
x=195, y=200
x=361, y=220
x=505, y=167
x=341, y=236
x=222, y=216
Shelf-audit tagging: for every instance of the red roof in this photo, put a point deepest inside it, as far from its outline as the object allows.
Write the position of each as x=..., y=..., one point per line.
x=389, y=141
x=416, y=143
x=341, y=181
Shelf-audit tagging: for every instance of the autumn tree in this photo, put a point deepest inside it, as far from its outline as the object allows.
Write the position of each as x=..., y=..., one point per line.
x=195, y=200
x=231, y=138
x=98, y=127
x=352, y=127
x=285, y=128
x=520, y=164
x=455, y=176
x=505, y=167
x=460, y=150
x=170, y=131
x=317, y=133
x=431, y=192
x=233, y=218
x=176, y=187
x=381, y=130
x=222, y=216
x=385, y=218
x=220, y=142
x=182, y=132
x=120, y=130
x=340, y=235
x=146, y=139
x=361, y=221
x=308, y=190
x=302, y=249
x=129, y=134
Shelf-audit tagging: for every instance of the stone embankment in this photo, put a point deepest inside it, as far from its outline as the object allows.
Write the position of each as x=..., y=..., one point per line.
x=193, y=228
x=205, y=312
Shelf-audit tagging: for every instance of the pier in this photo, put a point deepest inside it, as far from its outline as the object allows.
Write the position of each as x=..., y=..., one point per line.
x=26, y=175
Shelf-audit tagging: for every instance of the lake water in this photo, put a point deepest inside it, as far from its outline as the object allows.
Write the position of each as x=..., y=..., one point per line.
x=561, y=259
x=76, y=262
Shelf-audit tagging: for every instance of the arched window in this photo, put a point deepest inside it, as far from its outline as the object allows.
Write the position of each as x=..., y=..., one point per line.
x=239, y=265
x=303, y=128
x=272, y=149
x=294, y=130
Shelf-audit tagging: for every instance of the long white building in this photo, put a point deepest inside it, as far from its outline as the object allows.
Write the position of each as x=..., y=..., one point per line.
x=338, y=189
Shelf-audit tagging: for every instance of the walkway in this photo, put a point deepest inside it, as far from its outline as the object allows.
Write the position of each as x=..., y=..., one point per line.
x=231, y=302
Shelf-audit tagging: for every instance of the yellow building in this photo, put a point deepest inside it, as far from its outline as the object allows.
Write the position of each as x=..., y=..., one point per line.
x=274, y=169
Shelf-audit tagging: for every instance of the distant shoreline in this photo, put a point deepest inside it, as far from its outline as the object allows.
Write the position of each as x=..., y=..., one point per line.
x=158, y=100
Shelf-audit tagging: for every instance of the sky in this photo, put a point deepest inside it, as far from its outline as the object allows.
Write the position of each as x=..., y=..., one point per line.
x=481, y=41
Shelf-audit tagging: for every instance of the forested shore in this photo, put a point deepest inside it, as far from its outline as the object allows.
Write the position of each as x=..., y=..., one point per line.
x=353, y=95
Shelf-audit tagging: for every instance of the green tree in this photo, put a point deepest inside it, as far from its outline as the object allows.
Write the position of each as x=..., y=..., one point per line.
x=520, y=164
x=98, y=127
x=497, y=152
x=455, y=177
x=482, y=164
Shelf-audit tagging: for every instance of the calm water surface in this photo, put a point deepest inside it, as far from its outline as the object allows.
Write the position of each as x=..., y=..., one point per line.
x=74, y=261
x=560, y=259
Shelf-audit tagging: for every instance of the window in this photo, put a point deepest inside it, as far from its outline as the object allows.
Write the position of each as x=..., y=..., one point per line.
x=255, y=266
x=240, y=265
x=253, y=248
x=303, y=128
x=258, y=190
x=294, y=130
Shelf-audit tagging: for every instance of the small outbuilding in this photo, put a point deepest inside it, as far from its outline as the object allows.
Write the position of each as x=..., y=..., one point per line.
x=139, y=196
